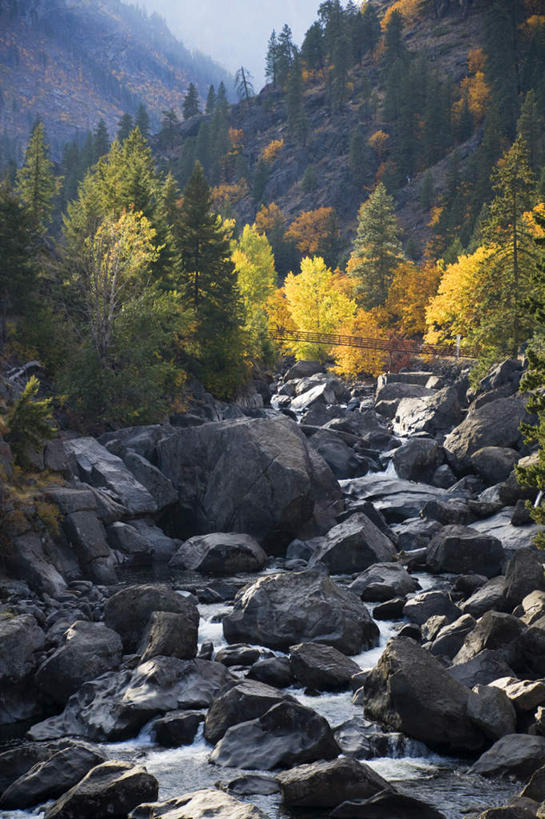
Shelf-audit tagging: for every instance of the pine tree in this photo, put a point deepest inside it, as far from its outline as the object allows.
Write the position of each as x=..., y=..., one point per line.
x=36, y=183
x=124, y=128
x=17, y=258
x=513, y=261
x=285, y=52
x=394, y=46
x=370, y=30
x=208, y=280
x=377, y=250
x=427, y=191
x=312, y=49
x=297, y=122
x=191, y=106
x=169, y=134
x=142, y=121
x=271, y=60
x=531, y=127
x=101, y=141
x=211, y=100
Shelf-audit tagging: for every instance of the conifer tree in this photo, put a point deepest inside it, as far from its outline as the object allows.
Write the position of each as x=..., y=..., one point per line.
x=370, y=29
x=211, y=100
x=142, y=121
x=170, y=129
x=271, y=60
x=18, y=256
x=285, y=52
x=191, y=106
x=531, y=127
x=101, y=141
x=243, y=84
x=312, y=49
x=297, y=123
x=124, y=128
x=377, y=250
x=36, y=183
x=208, y=281
x=506, y=315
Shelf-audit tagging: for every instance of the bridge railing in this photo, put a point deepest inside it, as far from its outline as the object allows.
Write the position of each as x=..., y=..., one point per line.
x=393, y=345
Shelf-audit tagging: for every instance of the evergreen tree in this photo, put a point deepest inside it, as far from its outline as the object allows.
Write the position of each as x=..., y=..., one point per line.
x=426, y=191
x=271, y=60
x=503, y=56
x=222, y=105
x=360, y=157
x=208, y=282
x=285, y=52
x=124, y=128
x=101, y=141
x=312, y=49
x=297, y=122
x=394, y=45
x=142, y=121
x=17, y=258
x=191, y=106
x=370, y=29
x=506, y=320
x=377, y=250
x=36, y=183
x=169, y=135
x=531, y=127
x=211, y=100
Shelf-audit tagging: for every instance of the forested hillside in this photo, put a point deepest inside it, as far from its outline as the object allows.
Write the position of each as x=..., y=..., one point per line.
x=73, y=63
x=388, y=181
x=422, y=95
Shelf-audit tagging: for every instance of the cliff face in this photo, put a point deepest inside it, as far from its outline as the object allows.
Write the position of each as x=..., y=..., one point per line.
x=71, y=62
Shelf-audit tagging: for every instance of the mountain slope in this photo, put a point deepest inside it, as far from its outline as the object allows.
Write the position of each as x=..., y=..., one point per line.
x=72, y=62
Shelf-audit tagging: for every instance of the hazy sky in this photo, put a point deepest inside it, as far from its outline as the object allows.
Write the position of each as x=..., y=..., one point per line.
x=234, y=32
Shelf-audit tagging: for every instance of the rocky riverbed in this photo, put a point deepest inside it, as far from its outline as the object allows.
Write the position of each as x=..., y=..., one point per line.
x=328, y=607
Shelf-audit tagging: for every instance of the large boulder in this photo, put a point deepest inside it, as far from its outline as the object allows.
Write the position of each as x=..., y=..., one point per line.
x=245, y=701
x=354, y=545
x=434, y=603
x=53, y=776
x=220, y=553
x=384, y=581
x=322, y=668
x=287, y=734
x=283, y=609
x=87, y=536
x=490, y=596
x=463, y=550
x=410, y=691
x=117, y=705
x=491, y=710
x=87, y=651
x=517, y=756
x=205, y=804
x=418, y=459
x=257, y=476
x=20, y=639
x=524, y=574
x=483, y=669
x=170, y=634
x=159, y=486
x=177, y=728
x=129, y=610
x=494, y=631
x=93, y=464
x=434, y=413
x=337, y=453
x=327, y=784
x=494, y=463
x=111, y=789
x=494, y=424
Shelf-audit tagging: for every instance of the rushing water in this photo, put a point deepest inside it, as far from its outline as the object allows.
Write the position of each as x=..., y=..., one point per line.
x=442, y=782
